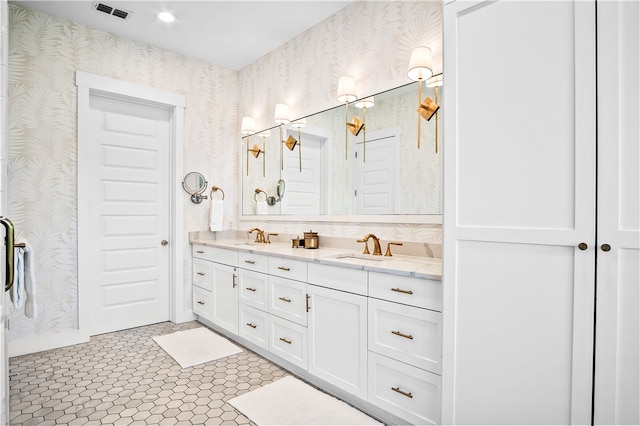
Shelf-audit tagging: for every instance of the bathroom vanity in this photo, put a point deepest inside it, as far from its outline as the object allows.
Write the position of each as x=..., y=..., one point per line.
x=364, y=328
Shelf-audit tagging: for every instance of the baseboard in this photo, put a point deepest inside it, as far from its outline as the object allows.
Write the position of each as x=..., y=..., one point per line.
x=184, y=316
x=47, y=342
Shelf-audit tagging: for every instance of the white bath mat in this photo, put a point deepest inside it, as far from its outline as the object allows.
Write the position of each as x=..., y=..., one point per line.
x=290, y=401
x=196, y=346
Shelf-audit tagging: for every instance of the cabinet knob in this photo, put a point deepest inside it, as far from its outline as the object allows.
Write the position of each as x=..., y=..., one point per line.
x=582, y=246
x=605, y=247
x=164, y=242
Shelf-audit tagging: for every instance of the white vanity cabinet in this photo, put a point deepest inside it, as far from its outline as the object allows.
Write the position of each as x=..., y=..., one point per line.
x=371, y=337
x=215, y=296
x=405, y=346
x=338, y=338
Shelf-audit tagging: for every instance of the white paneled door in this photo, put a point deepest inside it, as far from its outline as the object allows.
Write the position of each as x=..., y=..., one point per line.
x=303, y=183
x=617, y=370
x=375, y=167
x=519, y=223
x=129, y=220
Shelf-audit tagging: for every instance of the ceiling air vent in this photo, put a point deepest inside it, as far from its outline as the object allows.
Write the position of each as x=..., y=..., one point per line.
x=110, y=10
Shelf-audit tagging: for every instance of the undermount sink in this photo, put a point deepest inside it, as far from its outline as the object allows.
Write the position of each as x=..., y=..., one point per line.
x=358, y=256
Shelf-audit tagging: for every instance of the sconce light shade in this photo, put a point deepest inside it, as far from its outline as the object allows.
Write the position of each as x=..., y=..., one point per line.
x=365, y=103
x=347, y=89
x=435, y=81
x=283, y=114
x=420, y=64
x=248, y=125
x=299, y=123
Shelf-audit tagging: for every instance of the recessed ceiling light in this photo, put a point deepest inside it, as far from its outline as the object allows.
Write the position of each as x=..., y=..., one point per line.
x=166, y=16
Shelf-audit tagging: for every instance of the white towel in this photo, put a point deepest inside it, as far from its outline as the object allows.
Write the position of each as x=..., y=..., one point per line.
x=216, y=211
x=23, y=291
x=261, y=207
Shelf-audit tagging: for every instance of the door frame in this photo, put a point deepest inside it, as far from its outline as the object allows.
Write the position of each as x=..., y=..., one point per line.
x=89, y=84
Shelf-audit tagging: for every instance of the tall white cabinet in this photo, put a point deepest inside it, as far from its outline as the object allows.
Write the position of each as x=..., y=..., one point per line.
x=533, y=156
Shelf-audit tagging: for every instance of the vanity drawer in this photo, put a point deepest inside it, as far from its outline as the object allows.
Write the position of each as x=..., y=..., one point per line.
x=338, y=278
x=254, y=289
x=405, y=333
x=288, y=299
x=203, y=274
x=253, y=262
x=215, y=254
x=288, y=268
x=202, y=305
x=406, y=391
x=408, y=290
x=288, y=340
x=254, y=325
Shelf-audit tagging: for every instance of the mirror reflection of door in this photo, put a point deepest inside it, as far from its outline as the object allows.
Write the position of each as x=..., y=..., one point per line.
x=304, y=189
x=376, y=179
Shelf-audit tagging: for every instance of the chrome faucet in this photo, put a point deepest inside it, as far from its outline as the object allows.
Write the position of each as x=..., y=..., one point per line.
x=377, y=251
x=259, y=234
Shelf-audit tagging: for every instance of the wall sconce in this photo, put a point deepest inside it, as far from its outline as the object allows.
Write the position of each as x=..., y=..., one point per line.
x=298, y=124
x=419, y=70
x=248, y=127
x=435, y=82
x=364, y=104
x=282, y=116
x=346, y=94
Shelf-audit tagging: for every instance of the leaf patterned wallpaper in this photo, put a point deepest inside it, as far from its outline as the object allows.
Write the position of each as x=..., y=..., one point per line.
x=371, y=40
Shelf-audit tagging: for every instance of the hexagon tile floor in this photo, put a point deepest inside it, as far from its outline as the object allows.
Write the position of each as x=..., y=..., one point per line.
x=125, y=378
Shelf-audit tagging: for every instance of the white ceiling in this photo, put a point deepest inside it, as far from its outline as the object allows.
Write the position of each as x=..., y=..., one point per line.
x=231, y=34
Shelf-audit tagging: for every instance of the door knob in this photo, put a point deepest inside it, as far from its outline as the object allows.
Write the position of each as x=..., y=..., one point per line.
x=582, y=246
x=164, y=242
x=605, y=247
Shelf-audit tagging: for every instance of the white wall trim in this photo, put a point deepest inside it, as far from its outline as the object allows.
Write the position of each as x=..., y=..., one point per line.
x=91, y=84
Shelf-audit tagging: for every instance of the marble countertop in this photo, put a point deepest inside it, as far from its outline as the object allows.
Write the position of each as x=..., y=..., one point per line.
x=411, y=266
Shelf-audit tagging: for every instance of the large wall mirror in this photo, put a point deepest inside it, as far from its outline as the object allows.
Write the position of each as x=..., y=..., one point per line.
x=329, y=171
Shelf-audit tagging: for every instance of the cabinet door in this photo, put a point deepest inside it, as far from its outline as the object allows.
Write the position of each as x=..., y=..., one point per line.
x=519, y=183
x=254, y=289
x=338, y=339
x=617, y=378
x=225, y=297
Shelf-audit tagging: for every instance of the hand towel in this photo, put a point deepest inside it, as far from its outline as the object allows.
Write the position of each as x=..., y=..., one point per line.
x=216, y=211
x=261, y=207
x=24, y=285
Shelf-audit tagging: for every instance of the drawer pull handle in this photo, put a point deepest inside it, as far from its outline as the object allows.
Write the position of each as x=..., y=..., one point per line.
x=200, y=273
x=406, y=336
x=284, y=299
x=308, y=307
x=401, y=392
x=282, y=268
x=399, y=290
x=200, y=302
x=251, y=325
x=199, y=252
x=250, y=262
x=287, y=341
x=251, y=289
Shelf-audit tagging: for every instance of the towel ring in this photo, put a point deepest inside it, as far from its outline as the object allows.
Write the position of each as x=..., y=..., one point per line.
x=216, y=188
x=255, y=196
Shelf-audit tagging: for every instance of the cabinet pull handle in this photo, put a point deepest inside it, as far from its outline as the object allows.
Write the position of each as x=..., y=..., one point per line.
x=250, y=262
x=284, y=299
x=234, y=280
x=251, y=289
x=199, y=252
x=251, y=325
x=200, y=302
x=399, y=290
x=288, y=342
x=282, y=268
x=401, y=392
x=406, y=336
x=200, y=273
x=308, y=307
